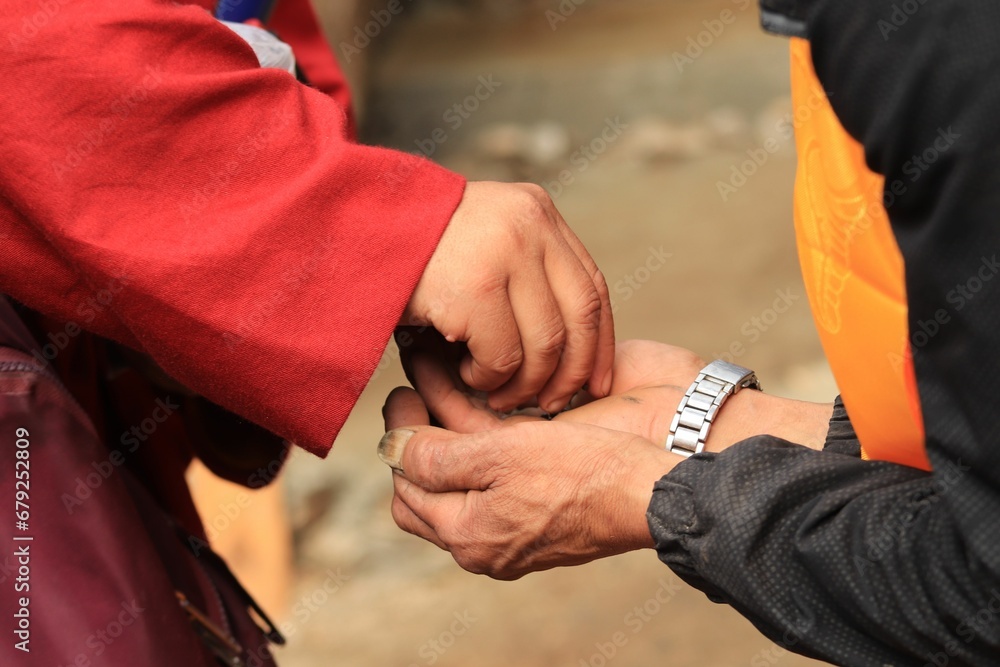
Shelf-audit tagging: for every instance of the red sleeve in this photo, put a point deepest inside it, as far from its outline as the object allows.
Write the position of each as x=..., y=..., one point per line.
x=161, y=189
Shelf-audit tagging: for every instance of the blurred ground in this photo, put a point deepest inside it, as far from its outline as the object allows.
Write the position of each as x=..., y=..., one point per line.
x=685, y=265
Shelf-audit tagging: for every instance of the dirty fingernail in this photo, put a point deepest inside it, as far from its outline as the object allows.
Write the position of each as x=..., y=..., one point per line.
x=392, y=445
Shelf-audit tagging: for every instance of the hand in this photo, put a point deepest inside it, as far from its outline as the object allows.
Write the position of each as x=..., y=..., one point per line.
x=511, y=280
x=646, y=363
x=528, y=497
x=522, y=494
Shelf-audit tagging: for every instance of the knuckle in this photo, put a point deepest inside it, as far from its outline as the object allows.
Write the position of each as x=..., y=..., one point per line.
x=551, y=338
x=531, y=203
x=451, y=537
x=528, y=222
x=466, y=551
x=539, y=193
x=588, y=310
x=470, y=561
x=488, y=287
x=506, y=362
x=422, y=457
x=480, y=560
x=485, y=451
x=399, y=514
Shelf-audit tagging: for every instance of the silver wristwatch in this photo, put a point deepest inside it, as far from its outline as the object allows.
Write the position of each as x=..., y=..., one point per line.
x=716, y=382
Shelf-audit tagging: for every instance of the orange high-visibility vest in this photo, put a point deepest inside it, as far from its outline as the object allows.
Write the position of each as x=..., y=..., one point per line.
x=854, y=276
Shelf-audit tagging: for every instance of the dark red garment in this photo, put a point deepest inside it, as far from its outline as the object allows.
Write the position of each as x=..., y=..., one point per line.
x=162, y=190
x=95, y=565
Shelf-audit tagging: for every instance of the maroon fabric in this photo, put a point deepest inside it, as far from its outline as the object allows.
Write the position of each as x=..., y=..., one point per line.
x=94, y=561
x=162, y=190
x=117, y=399
x=118, y=612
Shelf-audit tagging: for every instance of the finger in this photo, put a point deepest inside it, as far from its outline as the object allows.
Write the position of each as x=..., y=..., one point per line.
x=404, y=343
x=427, y=341
x=455, y=409
x=580, y=305
x=437, y=511
x=601, y=377
x=581, y=398
x=603, y=374
x=543, y=337
x=440, y=461
x=494, y=343
x=404, y=407
x=411, y=523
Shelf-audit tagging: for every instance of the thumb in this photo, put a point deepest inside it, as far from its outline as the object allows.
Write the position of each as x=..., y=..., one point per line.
x=438, y=460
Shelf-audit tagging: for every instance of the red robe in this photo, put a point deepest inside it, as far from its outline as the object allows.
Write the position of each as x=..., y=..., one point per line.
x=161, y=189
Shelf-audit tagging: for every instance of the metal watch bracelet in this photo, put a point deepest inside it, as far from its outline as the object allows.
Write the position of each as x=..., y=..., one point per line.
x=701, y=404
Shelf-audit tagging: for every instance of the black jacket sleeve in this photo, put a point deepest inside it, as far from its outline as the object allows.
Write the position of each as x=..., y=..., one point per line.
x=866, y=563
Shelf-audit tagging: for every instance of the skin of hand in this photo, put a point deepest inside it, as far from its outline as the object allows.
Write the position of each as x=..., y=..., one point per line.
x=509, y=496
x=511, y=281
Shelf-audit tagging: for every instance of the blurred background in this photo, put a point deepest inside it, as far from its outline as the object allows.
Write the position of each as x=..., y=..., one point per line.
x=662, y=130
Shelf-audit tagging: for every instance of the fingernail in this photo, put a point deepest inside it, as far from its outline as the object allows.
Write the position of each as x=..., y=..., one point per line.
x=606, y=385
x=392, y=446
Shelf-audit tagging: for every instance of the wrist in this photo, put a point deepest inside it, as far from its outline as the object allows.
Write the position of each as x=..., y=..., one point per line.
x=751, y=413
x=636, y=493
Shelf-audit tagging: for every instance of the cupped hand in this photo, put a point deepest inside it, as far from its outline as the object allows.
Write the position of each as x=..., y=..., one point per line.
x=530, y=496
x=517, y=494
x=514, y=283
x=508, y=495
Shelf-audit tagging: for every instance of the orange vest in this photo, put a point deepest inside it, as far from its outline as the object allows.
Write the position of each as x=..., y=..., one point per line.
x=854, y=276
